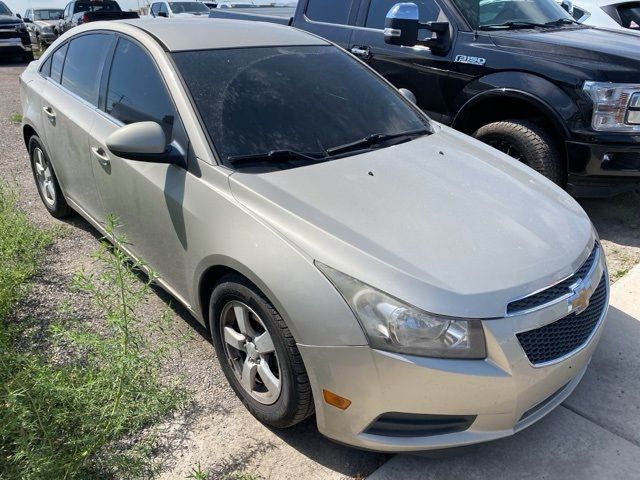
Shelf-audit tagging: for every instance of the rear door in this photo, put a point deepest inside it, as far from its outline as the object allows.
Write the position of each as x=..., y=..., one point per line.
x=146, y=197
x=70, y=100
x=331, y=19
x=415, y=68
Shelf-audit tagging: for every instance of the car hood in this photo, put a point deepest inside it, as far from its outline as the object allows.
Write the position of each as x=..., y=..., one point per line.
x=611, y=55
x=9, y=20
x=444, y=222
x=46, y=23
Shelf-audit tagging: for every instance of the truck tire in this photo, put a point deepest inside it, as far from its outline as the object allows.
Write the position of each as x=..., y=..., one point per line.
x=526, y=142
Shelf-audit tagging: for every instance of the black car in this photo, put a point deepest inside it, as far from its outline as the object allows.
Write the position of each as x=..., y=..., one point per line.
x=14, y=36
x=521, y=75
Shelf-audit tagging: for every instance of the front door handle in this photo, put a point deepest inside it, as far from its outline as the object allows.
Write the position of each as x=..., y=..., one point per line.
x=361, y=52
x=101, y=155
x=49, y=112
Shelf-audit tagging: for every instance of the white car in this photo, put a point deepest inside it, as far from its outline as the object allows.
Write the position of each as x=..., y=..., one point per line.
x=611, y=14
x=179, y=9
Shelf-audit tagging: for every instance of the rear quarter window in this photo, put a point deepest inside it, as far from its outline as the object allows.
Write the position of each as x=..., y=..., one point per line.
x=57, y=62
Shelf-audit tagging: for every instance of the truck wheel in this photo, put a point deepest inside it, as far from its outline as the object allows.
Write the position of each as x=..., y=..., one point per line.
x=258, y=354
x=527, y=142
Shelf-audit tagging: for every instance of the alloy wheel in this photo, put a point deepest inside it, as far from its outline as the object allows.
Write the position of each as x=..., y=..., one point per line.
x=44, y=177
x=250, y=351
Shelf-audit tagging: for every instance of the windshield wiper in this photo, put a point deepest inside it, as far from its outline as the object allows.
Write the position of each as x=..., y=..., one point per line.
x=275, y=156
x=563, y=21
x=374, y=139
x=514, y=24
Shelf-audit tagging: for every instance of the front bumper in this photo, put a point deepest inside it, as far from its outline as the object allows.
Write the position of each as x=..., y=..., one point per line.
x=598, y=170
x=501, y=395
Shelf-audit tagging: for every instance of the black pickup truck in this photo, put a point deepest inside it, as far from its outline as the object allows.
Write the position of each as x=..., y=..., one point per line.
x=84, y=11
x=521, y=75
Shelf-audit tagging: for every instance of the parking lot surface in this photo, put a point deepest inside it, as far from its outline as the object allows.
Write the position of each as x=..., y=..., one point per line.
x=219, y=434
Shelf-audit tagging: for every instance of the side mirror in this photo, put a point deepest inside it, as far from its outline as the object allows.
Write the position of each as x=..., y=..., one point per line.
x=144, y=142
x=27, y=20
x=163, y=14
x=403, y=23
x=408, y=94
x=18, y=15
x=568, y=6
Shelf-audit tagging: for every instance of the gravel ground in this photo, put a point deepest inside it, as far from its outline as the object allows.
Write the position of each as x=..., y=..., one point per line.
x=217, y=432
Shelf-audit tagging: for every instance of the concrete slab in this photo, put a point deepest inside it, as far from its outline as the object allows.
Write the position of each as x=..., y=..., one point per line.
x=609, y=393
x=563, y=445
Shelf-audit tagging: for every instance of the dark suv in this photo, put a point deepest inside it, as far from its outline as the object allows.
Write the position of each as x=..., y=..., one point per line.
x=14, y=36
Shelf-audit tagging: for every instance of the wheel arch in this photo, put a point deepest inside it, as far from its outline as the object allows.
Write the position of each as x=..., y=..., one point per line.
x=27, y=132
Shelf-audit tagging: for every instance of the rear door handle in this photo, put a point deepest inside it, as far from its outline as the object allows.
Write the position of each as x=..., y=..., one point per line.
x=101, y=155
x=361, y=52
x=49, y=112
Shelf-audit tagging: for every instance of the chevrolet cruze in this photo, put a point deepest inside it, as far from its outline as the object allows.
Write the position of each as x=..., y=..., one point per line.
x=413, y=287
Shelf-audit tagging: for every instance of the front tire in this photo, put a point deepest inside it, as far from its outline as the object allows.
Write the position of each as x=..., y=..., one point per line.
x=527, y=142
x=46, y=181
x=258, y=354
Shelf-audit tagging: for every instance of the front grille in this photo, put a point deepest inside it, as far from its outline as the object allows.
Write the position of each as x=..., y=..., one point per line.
x=4, y=34
x=554, y=292
x=395, y=424
x=566, y=335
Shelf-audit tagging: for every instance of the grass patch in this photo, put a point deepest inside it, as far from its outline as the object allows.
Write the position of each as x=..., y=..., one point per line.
x=15, y=118
x=77, y=410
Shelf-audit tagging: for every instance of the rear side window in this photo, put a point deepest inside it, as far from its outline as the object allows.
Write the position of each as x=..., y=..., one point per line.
x=630, y=15
x=57, y=61
x=146, y=98
x=45, y=69
x=329, y=11
x=429, y=12
x=83, y=66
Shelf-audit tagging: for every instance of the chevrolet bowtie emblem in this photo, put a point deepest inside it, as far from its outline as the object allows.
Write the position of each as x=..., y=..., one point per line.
x=579, y=301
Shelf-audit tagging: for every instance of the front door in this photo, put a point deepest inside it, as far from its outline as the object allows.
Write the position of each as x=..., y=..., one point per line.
x=415, y=68
x=145, y=197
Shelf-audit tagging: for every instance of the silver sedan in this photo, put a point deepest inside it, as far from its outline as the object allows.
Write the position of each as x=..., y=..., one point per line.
x=413, y=287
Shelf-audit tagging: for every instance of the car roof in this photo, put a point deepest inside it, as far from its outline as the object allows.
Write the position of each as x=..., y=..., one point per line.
x=182, y=34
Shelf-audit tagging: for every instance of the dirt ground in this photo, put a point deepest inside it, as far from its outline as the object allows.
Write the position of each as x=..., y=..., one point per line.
x=217, y=432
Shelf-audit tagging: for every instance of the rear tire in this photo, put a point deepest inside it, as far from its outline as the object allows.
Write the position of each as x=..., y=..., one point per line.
x=293, y=401
x=526, y=142
x=46, y=181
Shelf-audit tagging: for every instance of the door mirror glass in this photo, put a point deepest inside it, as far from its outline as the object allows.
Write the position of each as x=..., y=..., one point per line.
x=408, y=94
x=402, y=24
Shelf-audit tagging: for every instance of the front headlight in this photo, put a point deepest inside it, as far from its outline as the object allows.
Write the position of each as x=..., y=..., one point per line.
x=47, y=29
x=616, y=106
x=393, y=325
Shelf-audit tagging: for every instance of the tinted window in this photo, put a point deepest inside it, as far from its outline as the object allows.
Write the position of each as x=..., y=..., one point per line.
x=188, y=7
x=306, y=99
x=163, y=8
x=378, y=10
x=154, y=8
x=96, y=7
x=329, y=11
x=83, y=66
x=630, y=15
x=45, y=69
x=57, y=61
x=136, y=92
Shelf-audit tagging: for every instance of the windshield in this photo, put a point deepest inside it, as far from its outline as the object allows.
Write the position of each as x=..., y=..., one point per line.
x=291, y=99
x=4, y=10
x=96, y=7
x=47, y=14
x=484, y=13
x=188, y=7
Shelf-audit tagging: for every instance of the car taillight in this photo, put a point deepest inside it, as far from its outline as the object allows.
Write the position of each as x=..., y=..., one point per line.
x=85, y=18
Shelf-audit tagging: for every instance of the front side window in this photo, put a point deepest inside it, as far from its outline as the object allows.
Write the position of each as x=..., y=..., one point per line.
x=329, y=11
x=378, y=9
x=57, y=61
x=188, y=7
x=146, y=98
x=630, y=15
x=163, y=8
x=308, y=99
x=104, y=6
x=154, y=8
x=490, y=14
x=83, y=66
